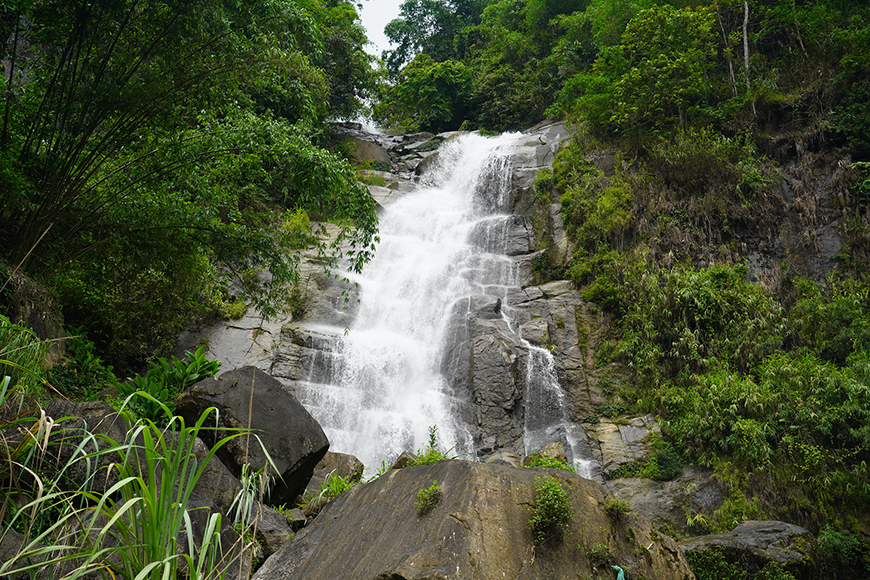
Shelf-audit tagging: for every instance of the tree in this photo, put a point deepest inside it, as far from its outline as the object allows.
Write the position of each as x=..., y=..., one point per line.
x=139, y=171
x=434, y=27
x=428, y=96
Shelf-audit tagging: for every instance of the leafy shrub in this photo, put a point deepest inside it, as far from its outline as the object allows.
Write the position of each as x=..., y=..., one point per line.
x=21, y=354
x=428, y=498
x=681, y=321
x=233, y=310
x=165, y=381
x=81, y=373
x=833, y=319
x=841, y=549
x=377, y=180
x=712, y=565
x=540, y=263
x=599, y=554
x=664, y=465
x=727, y=172
x=550, y=511
x=431, y=453
x=616, y=508
x=545, y=185
x=538, y=460
x=611, y=410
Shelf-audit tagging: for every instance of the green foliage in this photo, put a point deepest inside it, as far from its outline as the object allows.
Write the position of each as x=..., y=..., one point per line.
x=233, y=310
x=332, y=486
x=538, y=460
x=434, y=27
x=82, y=372
x=164, y=382
x=142, y=514
x=377, y=180
x=550, y=511
x=335, y=485
x=833, y=319
x=428, y=498
x=712, y=565
x=599, y=554
x=842, y=550
x=617, y=508
x=428, y=96
x=545, y=185
x=612, y=410
x=137, y=192
x=727, y=173
x=431, y=453
x=683, y=321
x=668, y=55
x=664, y=465
x=21, y=354
x=540, y=263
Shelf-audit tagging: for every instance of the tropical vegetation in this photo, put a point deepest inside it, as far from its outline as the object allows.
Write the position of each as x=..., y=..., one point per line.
x=157, y=159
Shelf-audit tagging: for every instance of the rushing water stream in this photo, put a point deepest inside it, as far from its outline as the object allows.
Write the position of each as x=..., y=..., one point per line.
x=440, y=244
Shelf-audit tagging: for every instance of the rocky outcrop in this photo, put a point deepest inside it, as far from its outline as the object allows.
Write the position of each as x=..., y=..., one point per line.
x=624, y=441
x=667, y=503
x=249, y=398
x=478, y=529
x=756, y=543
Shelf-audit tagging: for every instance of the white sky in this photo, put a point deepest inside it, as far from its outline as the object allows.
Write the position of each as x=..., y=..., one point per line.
x=374, y=15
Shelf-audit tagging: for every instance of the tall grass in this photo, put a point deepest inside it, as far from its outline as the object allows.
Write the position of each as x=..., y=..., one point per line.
x=139, y=528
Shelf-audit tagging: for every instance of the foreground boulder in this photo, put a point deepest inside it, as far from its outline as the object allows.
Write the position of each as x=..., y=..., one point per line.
x=755, y=544
x=250, y=398
x=478, y=529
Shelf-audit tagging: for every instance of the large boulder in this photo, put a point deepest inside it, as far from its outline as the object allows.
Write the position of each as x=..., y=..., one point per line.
x=753, y=544
x=479, y=529
x=248, y=398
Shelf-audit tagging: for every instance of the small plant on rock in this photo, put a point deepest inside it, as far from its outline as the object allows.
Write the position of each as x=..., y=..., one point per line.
x=616, y=508
x=332, y=486
x=428, y=498
x=544, y=461
x=431, y=453
x=551, y=509
x=599, y=554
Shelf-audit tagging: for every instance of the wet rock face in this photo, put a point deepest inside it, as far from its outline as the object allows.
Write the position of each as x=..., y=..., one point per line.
x=478, y=529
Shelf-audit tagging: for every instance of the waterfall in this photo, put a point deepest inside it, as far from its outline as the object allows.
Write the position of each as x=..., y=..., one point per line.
x=442, y=245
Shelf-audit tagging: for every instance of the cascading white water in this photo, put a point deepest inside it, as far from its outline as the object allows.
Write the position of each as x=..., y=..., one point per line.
x=385, y=387
x=546, y=419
